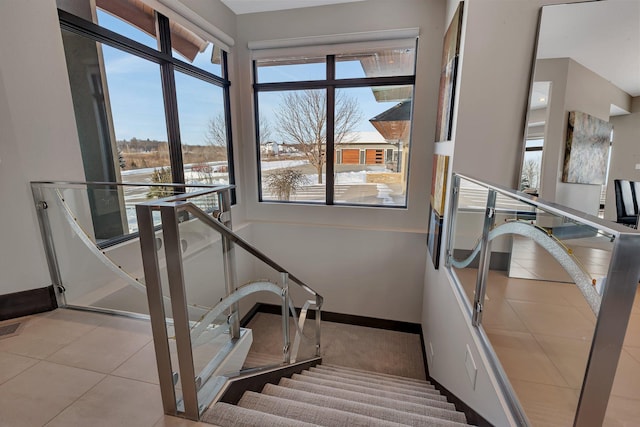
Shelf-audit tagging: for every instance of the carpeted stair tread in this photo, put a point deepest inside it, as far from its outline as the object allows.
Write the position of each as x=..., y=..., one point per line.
x=364, y=383
x=305, y=412
x=226, y=415
x=447, y=418
x=372, y=379
x=369, y=390
x=421, y=408
x=380, y=374
x=407, y=381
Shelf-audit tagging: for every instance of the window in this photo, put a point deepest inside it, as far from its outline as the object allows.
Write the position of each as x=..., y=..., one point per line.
x=335, y=129
x=151, y=103
x=532, y=166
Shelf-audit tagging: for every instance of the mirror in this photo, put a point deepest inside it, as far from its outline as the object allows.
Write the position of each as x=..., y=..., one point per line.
x=587, y=60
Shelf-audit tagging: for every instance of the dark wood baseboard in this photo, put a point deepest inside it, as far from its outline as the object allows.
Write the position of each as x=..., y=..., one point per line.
x=256, y=382
x=29, y=302
x=349, y=319
x=473, y=417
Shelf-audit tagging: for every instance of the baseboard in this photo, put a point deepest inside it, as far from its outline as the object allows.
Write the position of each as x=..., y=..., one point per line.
x=29, y=302
x=473, y=417
x=255, y=382
x=349, y=319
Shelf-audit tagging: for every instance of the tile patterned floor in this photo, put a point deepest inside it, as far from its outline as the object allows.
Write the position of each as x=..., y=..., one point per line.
x=541, y=331
x=73, y=368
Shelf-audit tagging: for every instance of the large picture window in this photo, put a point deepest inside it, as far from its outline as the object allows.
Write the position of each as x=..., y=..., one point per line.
x=335, y=129
x=151, y=103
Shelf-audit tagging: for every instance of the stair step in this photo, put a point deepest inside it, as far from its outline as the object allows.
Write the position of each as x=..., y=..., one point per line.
x=384, y=401
x=444, y=418
x=305, y=412
x=426, y=388
x=254, y=359
x=226, y=415
x=364, y=383
x=376, y=376
x=362, y=371
x=368, y=390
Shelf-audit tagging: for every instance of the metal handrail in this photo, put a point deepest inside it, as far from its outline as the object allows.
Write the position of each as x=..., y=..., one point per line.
x=553, y=208
x=173, y=211
x=615, y=303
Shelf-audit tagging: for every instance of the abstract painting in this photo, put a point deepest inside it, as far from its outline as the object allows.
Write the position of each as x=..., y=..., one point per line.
x=448, y=75
x=436, y=206
x=587, y=149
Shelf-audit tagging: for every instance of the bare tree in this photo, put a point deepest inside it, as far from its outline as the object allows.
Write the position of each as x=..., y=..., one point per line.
x=530, y=174
x=265, y=129
x=301, y=118
x=216, y=133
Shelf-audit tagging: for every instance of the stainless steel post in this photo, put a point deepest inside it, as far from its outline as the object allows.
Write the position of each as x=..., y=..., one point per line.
x=156, y=307
x=319, y=301
x=453, y=208
x=608, y=337
x=285, y=318
x=173, y=254
x=49, y=247
x=228, y=254
x=485, y=259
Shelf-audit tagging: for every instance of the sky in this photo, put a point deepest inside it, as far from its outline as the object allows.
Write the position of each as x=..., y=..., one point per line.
x=135, y=91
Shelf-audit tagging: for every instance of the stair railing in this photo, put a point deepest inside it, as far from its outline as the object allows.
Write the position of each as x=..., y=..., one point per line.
x=199, y=389
x=480, y=212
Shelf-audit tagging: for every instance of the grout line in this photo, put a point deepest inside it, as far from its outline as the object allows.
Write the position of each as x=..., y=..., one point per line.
x=78, y=398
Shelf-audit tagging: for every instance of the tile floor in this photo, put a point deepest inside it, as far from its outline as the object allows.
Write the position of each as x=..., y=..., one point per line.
x=541, y=332
x=74, y=368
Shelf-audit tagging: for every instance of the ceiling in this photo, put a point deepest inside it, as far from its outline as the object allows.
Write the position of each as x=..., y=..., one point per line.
x=603, y=36
x=240, y=7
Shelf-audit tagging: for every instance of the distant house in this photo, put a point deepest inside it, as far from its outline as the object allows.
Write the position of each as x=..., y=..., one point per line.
x=270, y=148
x=366, y=148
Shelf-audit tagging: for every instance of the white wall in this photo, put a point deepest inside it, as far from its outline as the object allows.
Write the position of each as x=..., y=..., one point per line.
x=497, y=51
x=39, y=139
x=364, y=261
x=371, y=273
x=573, y=88
x=625, y=153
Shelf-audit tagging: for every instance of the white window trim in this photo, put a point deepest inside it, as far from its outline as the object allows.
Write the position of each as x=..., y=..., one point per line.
x=182, y=14
x=333, y=44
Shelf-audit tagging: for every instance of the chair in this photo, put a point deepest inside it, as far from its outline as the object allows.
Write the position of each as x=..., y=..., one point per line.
x=626, y=201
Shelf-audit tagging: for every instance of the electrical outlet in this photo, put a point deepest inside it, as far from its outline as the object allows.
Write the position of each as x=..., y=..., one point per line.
x=470, y=365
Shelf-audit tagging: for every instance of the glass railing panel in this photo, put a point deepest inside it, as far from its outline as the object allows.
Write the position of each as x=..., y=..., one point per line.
x=535, y=316
x=93, y=229
x=553, y=275
x=267, y=328
x=203, y=270
x=465, y=240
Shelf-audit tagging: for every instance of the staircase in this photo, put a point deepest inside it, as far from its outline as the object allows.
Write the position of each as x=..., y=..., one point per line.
x=329, y=395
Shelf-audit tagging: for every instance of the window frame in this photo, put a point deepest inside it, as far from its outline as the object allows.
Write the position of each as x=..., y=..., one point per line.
x=168, y=66
x=329, y=84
